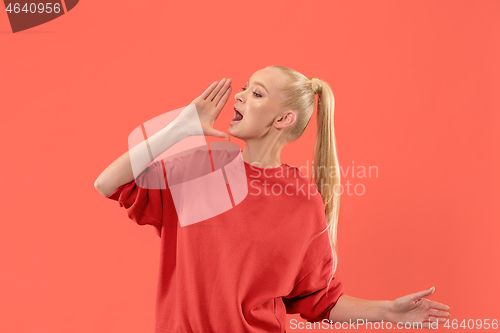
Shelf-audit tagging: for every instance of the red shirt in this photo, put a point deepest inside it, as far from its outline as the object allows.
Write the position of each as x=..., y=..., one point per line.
x=244, y=269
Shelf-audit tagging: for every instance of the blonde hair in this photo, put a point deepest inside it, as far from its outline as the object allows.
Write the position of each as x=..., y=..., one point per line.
x=299, y=95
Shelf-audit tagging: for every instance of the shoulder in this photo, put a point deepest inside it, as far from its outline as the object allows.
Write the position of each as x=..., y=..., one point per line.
x=302, y=199
x=304, y=188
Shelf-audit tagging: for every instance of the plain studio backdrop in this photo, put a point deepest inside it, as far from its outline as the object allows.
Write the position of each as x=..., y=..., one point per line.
x=416, y=87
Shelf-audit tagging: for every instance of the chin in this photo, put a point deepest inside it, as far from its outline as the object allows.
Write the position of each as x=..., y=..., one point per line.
x=230, y=132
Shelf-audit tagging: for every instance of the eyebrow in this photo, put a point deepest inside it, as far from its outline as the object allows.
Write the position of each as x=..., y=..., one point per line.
x=262, y=85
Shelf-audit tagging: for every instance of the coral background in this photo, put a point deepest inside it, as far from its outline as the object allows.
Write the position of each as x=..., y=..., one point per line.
x=416, y=86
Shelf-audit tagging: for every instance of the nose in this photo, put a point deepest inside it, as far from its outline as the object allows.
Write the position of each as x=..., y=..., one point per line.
x=237, y=97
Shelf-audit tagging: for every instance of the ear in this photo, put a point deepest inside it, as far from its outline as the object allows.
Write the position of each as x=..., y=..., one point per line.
x=286, y=119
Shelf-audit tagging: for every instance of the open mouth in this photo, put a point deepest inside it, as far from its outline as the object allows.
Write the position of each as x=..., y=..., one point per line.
x=237, y=117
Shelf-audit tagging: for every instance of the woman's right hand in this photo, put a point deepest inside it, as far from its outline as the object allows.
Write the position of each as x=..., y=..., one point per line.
x=208, y=107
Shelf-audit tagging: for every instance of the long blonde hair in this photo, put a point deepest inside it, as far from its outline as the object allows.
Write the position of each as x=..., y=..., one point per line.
x=299, y=95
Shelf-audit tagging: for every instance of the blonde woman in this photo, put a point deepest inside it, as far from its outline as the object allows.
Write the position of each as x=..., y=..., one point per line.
x=274, y=252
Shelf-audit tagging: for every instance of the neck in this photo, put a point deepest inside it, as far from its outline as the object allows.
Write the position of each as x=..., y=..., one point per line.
x=262, y=154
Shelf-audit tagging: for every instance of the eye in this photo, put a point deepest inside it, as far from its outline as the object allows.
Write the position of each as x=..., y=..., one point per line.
x=255, y=94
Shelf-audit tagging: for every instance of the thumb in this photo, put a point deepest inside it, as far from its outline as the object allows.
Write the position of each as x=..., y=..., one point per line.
x=423, y=293
x=219, y=134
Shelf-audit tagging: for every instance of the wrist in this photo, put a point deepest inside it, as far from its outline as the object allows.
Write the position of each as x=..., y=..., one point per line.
x=177, y=130
x=187, y=123
x=388, y=311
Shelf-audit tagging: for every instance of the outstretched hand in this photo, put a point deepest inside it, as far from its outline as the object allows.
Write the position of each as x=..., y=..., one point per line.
x=414, y=308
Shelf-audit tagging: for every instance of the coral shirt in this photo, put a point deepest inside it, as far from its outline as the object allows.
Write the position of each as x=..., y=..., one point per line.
x=242, y=270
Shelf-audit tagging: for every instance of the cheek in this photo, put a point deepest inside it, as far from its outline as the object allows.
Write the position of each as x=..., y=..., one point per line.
x=254, y=121
x=256, y=125
x=262, y=119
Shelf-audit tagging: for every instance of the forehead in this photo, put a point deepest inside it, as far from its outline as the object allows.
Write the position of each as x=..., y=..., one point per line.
x=271, y=78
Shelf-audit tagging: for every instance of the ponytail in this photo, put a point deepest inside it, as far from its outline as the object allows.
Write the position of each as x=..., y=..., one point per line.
x=326, y=172
x=299, y=95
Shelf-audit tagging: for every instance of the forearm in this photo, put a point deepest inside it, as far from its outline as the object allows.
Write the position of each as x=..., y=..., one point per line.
x=351, y=308
x=120, y=171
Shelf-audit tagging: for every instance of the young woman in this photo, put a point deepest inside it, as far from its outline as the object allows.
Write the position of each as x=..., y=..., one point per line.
x=244, y=269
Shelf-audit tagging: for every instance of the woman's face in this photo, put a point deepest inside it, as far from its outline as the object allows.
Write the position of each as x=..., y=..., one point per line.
x=260, y=105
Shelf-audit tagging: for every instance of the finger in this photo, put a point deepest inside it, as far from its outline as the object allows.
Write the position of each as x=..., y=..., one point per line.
x=439, y=306
x=224, y=98
x=223, y=91
x=216, y=90
x=209, y=90
x=439, y=320
x=420, y=294
x=439, y=313
x=219, y=134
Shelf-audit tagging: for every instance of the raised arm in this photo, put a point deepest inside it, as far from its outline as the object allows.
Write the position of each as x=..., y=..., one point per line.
x=208, y=107
x=120, y=171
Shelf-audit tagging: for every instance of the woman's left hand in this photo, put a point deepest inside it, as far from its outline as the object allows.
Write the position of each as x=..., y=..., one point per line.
x=414, y=308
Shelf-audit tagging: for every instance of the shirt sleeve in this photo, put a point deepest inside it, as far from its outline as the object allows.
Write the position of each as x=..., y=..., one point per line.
x=309, y=297
x=144, y=203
